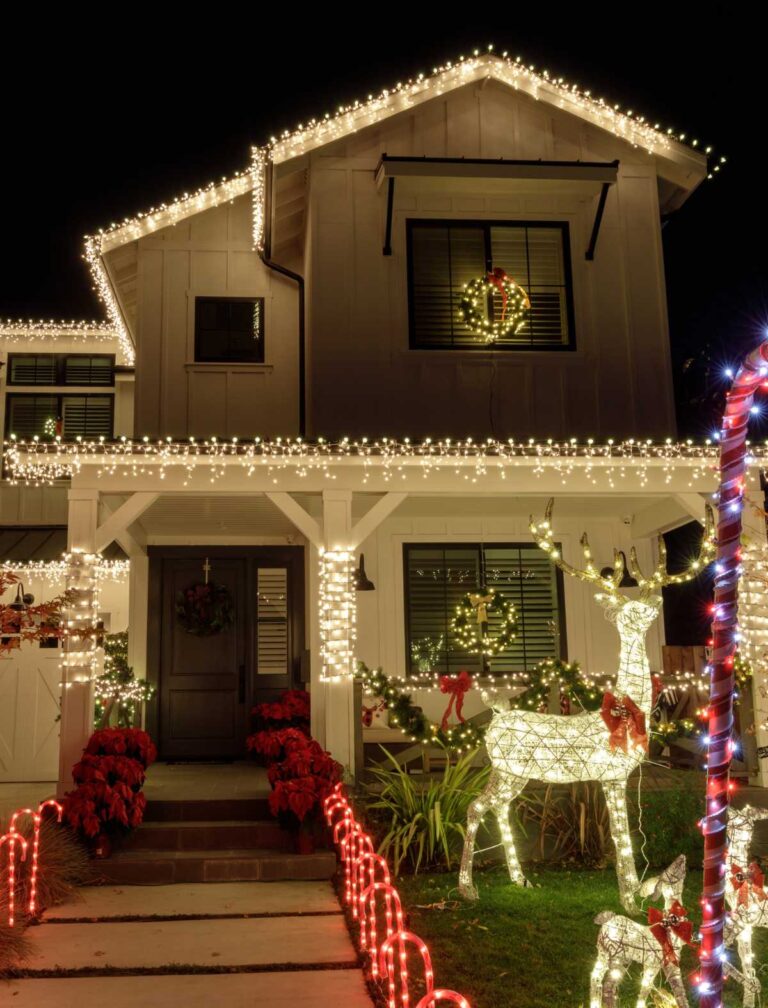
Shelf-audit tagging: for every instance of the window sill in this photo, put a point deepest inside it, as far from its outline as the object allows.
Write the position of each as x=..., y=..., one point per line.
x=513, y=357
x=245, y=368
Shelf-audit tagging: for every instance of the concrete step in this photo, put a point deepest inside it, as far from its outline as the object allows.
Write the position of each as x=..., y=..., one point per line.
x=207, y=810
x=236, y=865
x=206, y=835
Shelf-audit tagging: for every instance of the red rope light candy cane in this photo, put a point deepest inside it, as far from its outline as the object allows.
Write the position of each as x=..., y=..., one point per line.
x=334, y=798
x=428, y=1001
x=13, y=838
x=38, y=819
x=387, y=965
x=372, y=860
x=359, y=843
x=394, y=923
x=751, y=375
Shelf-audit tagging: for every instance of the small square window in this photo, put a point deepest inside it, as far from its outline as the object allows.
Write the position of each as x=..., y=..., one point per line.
x=229, y=330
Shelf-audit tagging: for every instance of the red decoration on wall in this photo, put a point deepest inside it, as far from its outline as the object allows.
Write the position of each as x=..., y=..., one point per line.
x=457, y=686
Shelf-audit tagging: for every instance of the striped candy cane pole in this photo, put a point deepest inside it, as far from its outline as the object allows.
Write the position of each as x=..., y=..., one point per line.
x=751, y=375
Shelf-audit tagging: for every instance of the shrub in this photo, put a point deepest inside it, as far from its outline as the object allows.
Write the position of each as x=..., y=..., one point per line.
x=425, y=822
x=571, y=821
x=64, y=864
x=669, y=822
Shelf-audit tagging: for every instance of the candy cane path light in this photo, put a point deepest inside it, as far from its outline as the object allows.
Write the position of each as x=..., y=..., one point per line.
x=12, y=839
x=394, y=922
x=751, y=376
x=447, y=996
x=392, y=972
x=372, y=861
x=523, y=745
x=37, y=818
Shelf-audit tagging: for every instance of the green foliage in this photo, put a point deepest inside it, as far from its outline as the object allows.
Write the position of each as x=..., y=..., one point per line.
x=669, y=822
x=571, y=821
x=423, y=822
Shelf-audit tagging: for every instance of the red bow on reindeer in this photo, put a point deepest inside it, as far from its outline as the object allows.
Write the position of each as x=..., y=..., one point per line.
x=672, y=921
x=624, y=721
x=748, y=883
x=457, y=686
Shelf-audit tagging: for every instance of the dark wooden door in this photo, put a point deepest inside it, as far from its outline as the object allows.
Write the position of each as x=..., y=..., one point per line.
x=207, y=686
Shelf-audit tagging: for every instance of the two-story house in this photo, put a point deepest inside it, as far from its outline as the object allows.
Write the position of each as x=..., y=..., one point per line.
x=310, y=386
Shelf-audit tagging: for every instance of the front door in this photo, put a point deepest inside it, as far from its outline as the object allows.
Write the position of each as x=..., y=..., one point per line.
x=208, y=684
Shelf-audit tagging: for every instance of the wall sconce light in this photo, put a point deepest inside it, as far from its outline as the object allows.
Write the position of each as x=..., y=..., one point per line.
x=362, y=582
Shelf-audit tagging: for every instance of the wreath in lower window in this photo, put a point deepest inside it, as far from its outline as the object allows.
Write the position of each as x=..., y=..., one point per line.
x=205, y=609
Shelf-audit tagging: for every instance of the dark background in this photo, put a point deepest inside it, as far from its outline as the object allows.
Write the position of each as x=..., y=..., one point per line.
x=101, y=120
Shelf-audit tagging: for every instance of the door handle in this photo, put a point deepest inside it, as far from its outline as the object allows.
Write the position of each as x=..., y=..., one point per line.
x=241, y=685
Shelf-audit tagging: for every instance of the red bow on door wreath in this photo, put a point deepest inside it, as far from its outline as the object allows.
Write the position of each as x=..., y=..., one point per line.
x=457, y=686
x=624, y=721
x=747, y=882
x=672, y=921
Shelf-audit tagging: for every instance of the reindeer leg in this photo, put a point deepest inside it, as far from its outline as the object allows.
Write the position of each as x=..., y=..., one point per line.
x=676, y=985
x=746, y=957
x=475, y=813
x=616, y=800
x=505, y=794
x=599, y=971
x=646, y=982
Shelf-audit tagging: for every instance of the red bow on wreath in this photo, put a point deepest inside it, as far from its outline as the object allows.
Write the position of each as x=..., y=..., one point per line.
x=497, y=278
x=624, y=720
x=747, y=883
x=673, y=921
x=457, y=686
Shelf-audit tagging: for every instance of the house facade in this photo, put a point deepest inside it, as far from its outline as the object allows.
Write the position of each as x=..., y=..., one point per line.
x=287, y=379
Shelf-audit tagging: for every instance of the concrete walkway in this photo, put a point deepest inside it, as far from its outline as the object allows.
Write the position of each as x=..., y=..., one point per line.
x=242, y=943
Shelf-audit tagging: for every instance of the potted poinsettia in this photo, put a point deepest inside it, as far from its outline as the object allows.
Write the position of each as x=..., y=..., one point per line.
x=301, y=780
x=289, y=713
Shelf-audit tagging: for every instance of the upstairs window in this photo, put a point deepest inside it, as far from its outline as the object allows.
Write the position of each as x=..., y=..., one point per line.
x=61, y=369
x=443, y=256
x=71, y=416
x=437, y=577
x=229, y=330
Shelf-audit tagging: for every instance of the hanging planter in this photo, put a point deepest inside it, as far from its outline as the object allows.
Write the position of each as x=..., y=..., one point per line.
x=205, y=609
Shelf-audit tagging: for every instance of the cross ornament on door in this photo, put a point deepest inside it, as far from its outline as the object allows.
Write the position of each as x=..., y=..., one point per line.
x=206, y=569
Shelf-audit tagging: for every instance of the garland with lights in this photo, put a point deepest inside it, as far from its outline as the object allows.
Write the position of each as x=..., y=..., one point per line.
x=205, y=609
x=473, y=309
x=471, y=624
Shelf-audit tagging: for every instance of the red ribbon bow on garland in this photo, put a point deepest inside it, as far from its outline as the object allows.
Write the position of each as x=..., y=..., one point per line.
x=624, y=721
x=457, y=686
x=497, y=278
x=672, y=921
x=748, y=883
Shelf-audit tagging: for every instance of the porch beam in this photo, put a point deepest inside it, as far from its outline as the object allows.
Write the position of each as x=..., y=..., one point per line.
x=371, y=520
x=666, y=514
x=295, y=513
x=118, y=521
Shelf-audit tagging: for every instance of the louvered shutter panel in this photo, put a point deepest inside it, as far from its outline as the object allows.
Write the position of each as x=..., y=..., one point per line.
x=272, y=621
x=533, y=257
x=83, y=369
x=87, y=416
x=33, y=369
x=443, y=261
x=27, y=414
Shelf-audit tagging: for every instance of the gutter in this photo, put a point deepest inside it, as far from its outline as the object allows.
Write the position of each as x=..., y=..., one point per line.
x=265, y=256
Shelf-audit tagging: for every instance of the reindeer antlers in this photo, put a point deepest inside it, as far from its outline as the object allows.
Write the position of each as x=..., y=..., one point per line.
x=542, y=534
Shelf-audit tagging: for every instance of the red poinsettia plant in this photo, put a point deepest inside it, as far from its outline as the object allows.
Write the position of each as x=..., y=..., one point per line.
x=109, y=778
x=271, y=720
x=302, y=779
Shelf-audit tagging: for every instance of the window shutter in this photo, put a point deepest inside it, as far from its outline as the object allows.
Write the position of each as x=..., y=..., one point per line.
x=84, y=369
x=87, y=416
x=29, y=369
x=272, y=621
x=443, y=261
x=27, y=414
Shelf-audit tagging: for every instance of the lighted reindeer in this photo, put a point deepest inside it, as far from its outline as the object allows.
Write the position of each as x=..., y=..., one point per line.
x=603, y=746
x=655, y=947
x=745, y=895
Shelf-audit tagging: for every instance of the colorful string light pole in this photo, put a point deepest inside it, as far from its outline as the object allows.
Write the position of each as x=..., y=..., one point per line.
x=752, y=375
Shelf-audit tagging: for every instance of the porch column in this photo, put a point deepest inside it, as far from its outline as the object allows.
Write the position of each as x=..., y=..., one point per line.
x=138, y=604
x=79, y=652
x=336, y=618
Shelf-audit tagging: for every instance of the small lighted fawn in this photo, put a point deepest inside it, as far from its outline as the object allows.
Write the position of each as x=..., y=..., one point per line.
x=603, y=746
x=654, y=947
x=745, y=895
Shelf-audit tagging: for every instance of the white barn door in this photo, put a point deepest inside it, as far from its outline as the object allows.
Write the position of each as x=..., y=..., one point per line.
x=29, y=710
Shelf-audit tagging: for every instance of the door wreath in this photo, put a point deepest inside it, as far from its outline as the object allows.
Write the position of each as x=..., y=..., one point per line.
x=205, y=609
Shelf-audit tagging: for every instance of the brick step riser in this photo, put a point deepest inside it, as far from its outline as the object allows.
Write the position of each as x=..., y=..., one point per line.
x=307, y=868
x=154, y=837
x=214, y=810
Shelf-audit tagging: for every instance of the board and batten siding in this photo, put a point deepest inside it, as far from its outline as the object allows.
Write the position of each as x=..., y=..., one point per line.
x=210, y=255
x=364, y=378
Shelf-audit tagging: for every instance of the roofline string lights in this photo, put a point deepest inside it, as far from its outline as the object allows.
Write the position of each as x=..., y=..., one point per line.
x=53, y=571
x=46, y=331
x=750, y=377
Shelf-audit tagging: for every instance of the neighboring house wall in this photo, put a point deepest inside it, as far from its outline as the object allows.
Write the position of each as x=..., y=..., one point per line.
x=365, y=379
x=211, y=255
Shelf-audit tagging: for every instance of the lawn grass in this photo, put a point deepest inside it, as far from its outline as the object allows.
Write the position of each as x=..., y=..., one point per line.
x=531, y=948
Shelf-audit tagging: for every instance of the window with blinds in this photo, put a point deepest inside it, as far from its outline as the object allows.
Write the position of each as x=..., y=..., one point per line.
x=86, y=416
x=229, y=330
x=437, y=577
x=61, y=369
x=272, y=645
x=443, y=256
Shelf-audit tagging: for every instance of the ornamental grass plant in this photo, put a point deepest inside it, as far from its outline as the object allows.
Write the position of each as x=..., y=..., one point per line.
x=422, y=823
x=64, y=865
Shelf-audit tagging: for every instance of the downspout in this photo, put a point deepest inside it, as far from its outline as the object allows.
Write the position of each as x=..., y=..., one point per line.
x=266, y=254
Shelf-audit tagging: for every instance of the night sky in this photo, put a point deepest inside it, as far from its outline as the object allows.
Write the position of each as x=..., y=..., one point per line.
x=97, y=129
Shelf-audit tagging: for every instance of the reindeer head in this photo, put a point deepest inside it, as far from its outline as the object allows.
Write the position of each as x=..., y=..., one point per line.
x=632, y=616
x=668, y=886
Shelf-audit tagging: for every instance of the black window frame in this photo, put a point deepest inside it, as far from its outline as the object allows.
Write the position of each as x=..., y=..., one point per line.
x=562, y=650
x=60, y=369
x=60, y=396
x=206, y=299
x=486, y=225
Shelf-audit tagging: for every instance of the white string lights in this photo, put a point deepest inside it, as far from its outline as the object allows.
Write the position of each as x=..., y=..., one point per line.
x=55, y=571
x=48, y=331
x=338, y=607
x=604, y=746
x=80, y=652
